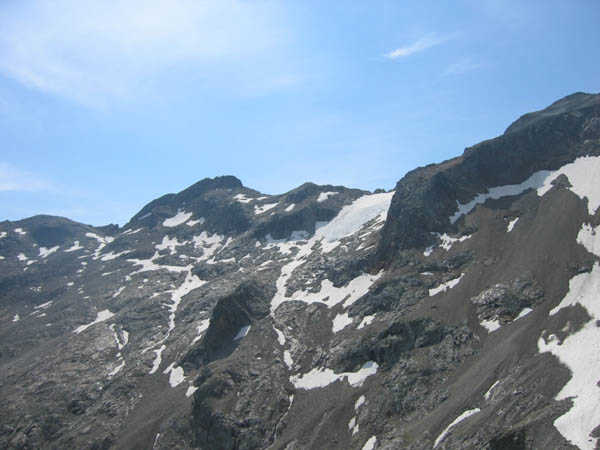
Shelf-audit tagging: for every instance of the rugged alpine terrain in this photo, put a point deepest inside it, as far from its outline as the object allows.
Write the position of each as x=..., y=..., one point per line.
x=459, y=311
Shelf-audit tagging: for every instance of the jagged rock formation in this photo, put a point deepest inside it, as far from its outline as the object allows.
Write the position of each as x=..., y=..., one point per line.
x=457, y=311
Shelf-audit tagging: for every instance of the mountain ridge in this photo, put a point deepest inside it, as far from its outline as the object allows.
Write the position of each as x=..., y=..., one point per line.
x=442, y=314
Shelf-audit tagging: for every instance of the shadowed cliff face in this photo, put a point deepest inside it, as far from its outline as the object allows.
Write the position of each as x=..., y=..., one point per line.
x=454, y=313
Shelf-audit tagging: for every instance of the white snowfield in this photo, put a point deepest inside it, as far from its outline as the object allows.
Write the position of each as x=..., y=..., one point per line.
x=370, y=444
x=319, y=377
x=45, y=252
x=445, y=286
x=350, y=220
x=176, y=375
x=459, y=419
x=325, y=195
x=180, y=218
x=341, y=321
x=583, y=174
x=264, y=208
x=100, y=317
x=580, y=351
x=74, y=247
x=242, y=333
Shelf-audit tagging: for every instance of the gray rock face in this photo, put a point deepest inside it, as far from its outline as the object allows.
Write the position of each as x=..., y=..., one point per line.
x=325, y=317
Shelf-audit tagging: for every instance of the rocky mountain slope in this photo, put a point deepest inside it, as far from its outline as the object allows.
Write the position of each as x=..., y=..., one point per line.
x=459, y=311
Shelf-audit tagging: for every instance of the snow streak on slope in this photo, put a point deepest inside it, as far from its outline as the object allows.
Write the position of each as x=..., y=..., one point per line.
x=583, y=174
x=177, y=219
x=100, y=317
x=580, y=351
x=318, y=377
x=349, y=221
x=459, y=419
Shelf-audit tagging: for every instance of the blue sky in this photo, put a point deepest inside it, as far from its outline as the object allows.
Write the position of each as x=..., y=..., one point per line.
x=108, y=104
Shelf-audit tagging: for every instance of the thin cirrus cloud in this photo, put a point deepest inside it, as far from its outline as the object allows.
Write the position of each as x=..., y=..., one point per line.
x=462, y=66
x=97, y=52
x=426, y=42
x=17, y=180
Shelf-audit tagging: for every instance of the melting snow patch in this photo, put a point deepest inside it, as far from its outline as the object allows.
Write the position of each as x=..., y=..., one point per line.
x=100, y=317
x=445, y=286
x=110, y=255
x=242, y=198
x=290, y=207
x=511, y=225
x=488, y=394
x=169, y=244
x=74, y=247
x=352, y=217
x=287, y=359
x=16, y=318
x=45, y=252
x=22, y=257
x=459, y=419
x=361, y=401
x=264, y=208
x=176, y=375
x=448, y=241
x=177, y=219
x=582, y=359
x=370, y=444
x=318, y=378
x=340, y=322
x=190, y=391
x=353, y=426
x=325, y=195
x=366, y=321
x=157, y=359
x=582, y=174
x=3, y=234
x=523, y=313
x=280, y=336
x=44, y=305
x=20, y=231
x=243, y=332
x=117, y=369
x=428, y=251
x=191, y=223
x=201, y=329
x=491, y=325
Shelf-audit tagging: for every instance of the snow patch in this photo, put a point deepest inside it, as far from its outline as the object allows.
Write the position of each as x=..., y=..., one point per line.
x=20, y=231
x=352, y=217
x=190, y=390
x=157, y=359
x=325, y=195
x=290, y=207
x=459, y=419
x=111, y=255
x=361, y=401
x=319, y=377
x=491, y=325
x=16, y=318
x=370, y=444
x=448, y=241
x=264, y=208
x=176, y=375
x=201, y=329
x=523, y=313
x=191, y=223
x=45, y=252
x=511, y=224
x=488, y=394
x=445, y=286
x=74, y=247
x=177, y=219
x=366, y=321
x=100, y=317
x=280, y=336
x=242, y=333
x=44, y=305
x=242, y=198
x=340, y=322
x=582, y=174
x=169, y=244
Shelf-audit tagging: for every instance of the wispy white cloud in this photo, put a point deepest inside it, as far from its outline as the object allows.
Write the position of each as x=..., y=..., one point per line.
x=421, y=44
x=99, y=51
x=462, y=66
x=14, y=179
